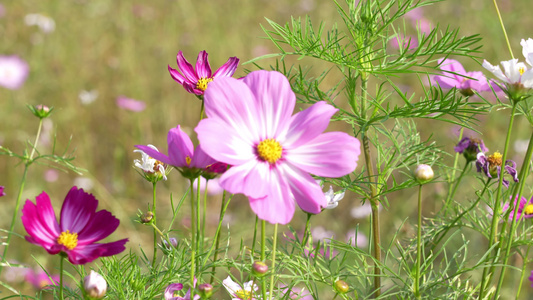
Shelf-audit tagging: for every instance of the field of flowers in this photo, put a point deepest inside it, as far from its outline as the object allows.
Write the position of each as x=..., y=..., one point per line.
x=297, y=149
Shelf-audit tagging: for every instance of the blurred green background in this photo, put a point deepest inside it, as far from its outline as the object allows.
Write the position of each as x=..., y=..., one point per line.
x=114, y=48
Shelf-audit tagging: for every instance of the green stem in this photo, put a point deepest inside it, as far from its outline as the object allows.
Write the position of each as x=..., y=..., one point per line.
x=497, y=209
x=452, y=178
x=199, y=237
x=454, y=190
x=202, y=109
x=193, y=236
x=503, y=28
x=154, y=222
x=418, y=248
x=255, y=236
x=272, y=272
x=523, y=174
x=61, y=259
x=15, y=214
x=216, y=242
x=263, y=257
x=36, y=139
x=307, y=232
x=524, y=266
x=204, y=212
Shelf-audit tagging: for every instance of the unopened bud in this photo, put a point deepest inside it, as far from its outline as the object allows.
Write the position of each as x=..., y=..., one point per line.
x=206, y=290
x=147, y=217
x=341, y=286
x=94, y=285
x=41, y=111
x=424, y=173
x=259, y=269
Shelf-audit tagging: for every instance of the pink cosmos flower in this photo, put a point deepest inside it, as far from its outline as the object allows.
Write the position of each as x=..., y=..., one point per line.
x=13, y=72
x=409, y=42
x=40, y=280
x=454, y=77
x=250, y=127
x=525, y=209
x=195, y=80
x=173, y=289
x=2, y=193
x=79, y=229
x=130, y=104
x=181, y=154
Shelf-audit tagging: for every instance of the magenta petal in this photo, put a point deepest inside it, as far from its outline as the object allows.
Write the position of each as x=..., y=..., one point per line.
x=222, y=143
x=274, y=99
x=186, y=68
x=307, y=193
x=331, y=154
x=203, y=70
x=87, y=253
x=77, y=210
x=200, y=159
x=228, y=68
x=176, y=75
x=179, y=147
x=308, y=124
x=155, y=154
x=40, y=222
x=250, y=179
x=278, y=206
x=99, y=227
x=449, y=80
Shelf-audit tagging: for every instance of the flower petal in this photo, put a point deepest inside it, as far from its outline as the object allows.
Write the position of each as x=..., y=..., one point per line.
x=274, y=99
x=304, y=189
x=228, y=68
x=176, y=75
x=331, y=154
x=495, y=70
x=87, y=253
x=203, y=69
x=99, y=227
x=40, y=222
x=78, y=209
x=186, y=68
x=200, y=159
x=155, y=154
x=308, y=124
x=249, y=179
x=179, y=147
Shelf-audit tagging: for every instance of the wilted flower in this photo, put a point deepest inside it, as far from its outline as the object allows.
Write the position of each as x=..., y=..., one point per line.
x=455, y=76
x=424, y=173
x=95, y=285
x=153, y=169
x=470, y=148
x=130, y=104
x=13, y=72
x=45, y=24
x=491, y=166
x=195, y=80
x=40, y=279
x=250, y=127
x=237, y=292
x=181, y=154
x=79, y=229
x=525, y=208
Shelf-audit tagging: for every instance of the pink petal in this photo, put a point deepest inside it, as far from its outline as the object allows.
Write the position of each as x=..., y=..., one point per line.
x=278, y=205
x=176, y=75
x=274, y=100
x=155, y=154
x=331, y=154
x=200, y=159
x=223, y=143
x=232, y=101
x=228, y=68
x=186, y=68
x=203, y=70
x=87, y=253
x=179, y=147
x=304, y=189
x=308, y=124
x=77, y=210
x=250, y=179
x=449, y=80
x=99, y=227
x=40, y=221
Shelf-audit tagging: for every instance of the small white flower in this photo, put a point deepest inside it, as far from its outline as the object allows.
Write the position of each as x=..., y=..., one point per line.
x=88, y=97
x=237, y=292
x=46, y=24
x=331, y=198
x=515, y=73
x=149, y=164
x=95, y=285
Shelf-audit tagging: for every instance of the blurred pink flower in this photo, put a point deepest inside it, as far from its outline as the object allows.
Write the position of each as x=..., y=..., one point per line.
x=130, y=104
x=195, y=80
x=409, y=42
x=2, y=11
x=525, y=209
x=213, y=186
x=2, y=193
x=51, y=175
x=40, y=280
x=79, y=229
x=360, y=240
x=251, y=127
x=454, y=76
x=13, y=72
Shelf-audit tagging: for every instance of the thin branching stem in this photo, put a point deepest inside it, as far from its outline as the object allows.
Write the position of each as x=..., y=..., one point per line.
x=36, y=139
x=272, y=270
x=263, y=256
x=451, y=195
x=154, y=221
x=193, y=236
x=503, y=28
x=61, y=260
x=418, y=244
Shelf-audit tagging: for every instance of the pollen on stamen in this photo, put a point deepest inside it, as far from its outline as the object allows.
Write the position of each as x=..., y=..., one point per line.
x=495, y=159
x=68, y=239
x=269, y=150
x=521, y=70
x=529, y=209
x=202, y=83
x=188, y=160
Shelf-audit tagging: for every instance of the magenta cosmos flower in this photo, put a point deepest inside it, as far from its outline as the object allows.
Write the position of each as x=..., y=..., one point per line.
x=250, y=126
x=195, y=80
x=455, y=76
x=80, y=227
x=525, y=208
x=182, y=155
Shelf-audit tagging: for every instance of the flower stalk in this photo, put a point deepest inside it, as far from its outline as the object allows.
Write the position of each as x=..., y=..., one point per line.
x=418, y=243
x=193, y=236
x=154, y=221
x=273, y=261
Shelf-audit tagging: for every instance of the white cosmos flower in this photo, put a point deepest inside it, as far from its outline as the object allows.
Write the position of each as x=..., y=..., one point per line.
x=149, y=164
x=237, y=292
x=46, y=24
x=514, y=72
x=527, y=50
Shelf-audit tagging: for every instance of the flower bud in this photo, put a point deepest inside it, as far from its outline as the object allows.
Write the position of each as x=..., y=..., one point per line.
x=147, y=217
x=94, y=285
x=40, y=111
x=259, y=269
x=341, y=286
x=424, y=173
x=206, y=290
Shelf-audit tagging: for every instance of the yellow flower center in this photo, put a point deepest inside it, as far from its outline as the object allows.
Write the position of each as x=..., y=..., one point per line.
x=529, y=209
x=245, y=295
x=521, y=70
x=156, y=166
x=188, y=160
x=495, y=159
x=67, y=239
x=202, y=83
x=269, y=150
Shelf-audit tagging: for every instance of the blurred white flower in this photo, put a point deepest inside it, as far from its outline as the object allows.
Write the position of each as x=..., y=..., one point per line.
x=45, y=24
x=84, y=183
x=88, y=97
x=319, y=233
x=13, y=72
x=362, y=211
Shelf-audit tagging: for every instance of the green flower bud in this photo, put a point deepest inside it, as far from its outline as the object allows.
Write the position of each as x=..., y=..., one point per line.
x=259, y=269
x=424, y=173
x=206, y=290
x=341, y=286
